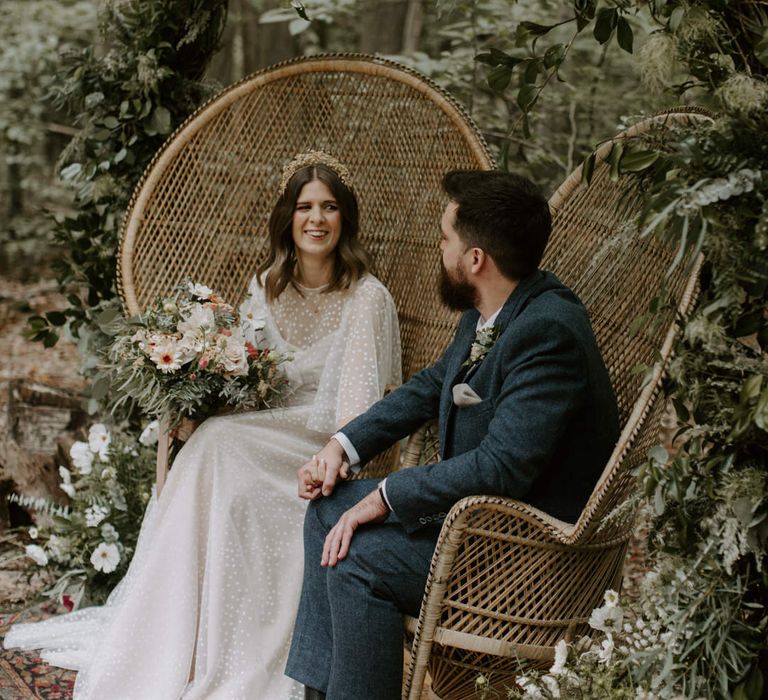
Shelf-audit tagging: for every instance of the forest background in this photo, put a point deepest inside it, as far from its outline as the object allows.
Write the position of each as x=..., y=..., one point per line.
x=91, y=89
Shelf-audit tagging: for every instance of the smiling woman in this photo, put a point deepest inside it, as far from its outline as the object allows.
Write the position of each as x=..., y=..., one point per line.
x=207, y=606
x=314, y=229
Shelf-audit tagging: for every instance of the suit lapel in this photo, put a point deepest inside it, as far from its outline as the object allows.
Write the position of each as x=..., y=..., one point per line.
x=457, y=373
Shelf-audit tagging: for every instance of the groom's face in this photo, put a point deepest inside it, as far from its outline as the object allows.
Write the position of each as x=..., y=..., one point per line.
x=456, y=291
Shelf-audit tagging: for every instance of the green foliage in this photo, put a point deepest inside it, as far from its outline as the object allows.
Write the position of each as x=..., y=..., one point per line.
x=89, y=544
x=128, y=96
x=35, y=33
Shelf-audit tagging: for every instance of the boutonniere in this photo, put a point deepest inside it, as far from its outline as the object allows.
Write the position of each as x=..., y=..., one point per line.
x=485, y=338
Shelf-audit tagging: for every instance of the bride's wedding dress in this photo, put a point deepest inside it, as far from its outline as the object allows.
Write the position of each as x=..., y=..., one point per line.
x=207, y=606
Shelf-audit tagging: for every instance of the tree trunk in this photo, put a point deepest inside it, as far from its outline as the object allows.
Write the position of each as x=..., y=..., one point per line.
x=382, y=26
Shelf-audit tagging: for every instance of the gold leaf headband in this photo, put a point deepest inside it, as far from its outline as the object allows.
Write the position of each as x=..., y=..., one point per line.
x=305, y=160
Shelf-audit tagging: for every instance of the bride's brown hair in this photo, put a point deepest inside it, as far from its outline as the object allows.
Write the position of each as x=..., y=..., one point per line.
x=351, y=260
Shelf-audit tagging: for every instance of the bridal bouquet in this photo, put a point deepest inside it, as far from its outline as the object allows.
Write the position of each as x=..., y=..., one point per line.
x=189, y=355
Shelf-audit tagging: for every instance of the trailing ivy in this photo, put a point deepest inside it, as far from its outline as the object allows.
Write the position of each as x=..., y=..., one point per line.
x=128, y=95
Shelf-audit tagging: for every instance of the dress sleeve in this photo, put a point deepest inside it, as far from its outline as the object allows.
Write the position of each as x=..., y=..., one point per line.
x=363, y=360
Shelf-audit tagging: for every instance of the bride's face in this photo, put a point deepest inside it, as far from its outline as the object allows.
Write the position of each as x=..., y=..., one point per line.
x=316, y=221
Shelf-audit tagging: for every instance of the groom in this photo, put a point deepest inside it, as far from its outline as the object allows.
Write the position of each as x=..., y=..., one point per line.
x=525, y=410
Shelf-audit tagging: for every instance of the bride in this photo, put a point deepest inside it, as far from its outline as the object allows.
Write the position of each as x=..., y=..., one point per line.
x=207, y=606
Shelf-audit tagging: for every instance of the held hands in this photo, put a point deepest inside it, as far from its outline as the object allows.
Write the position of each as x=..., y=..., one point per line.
x=319, y=476
x=370, y=510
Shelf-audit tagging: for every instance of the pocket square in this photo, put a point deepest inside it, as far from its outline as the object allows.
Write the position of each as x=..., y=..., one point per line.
x=463, y=395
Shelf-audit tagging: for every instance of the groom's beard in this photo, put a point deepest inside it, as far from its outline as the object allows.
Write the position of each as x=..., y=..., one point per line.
x=457, y=293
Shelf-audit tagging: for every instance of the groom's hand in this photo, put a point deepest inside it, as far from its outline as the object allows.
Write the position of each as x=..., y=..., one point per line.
x=319, y=476
x=370, y=510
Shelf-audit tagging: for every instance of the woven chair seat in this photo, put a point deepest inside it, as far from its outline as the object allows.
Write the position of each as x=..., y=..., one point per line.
x=508, y=581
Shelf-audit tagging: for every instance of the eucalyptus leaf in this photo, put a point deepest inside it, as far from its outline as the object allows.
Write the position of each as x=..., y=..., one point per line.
x=605, y=23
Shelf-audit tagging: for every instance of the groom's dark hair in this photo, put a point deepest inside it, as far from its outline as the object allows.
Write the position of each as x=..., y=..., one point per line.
x=504, y=214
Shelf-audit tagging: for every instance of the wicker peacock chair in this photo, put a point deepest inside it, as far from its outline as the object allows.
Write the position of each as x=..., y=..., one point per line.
x=201, y=208
x=507, y=581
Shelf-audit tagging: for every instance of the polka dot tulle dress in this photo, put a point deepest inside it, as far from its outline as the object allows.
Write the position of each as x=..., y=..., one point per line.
x=207, y=607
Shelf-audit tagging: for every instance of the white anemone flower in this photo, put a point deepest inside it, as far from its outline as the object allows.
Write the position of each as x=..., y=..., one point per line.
x=108, y=533
x=561, y=657
x=33, y=532
x=82, y=457
x=99, y=440
x=605, y=653
x=611, y=598
x=150, y=434
x=198, y=322
x=37, y=553
x=94, y=515
x=66, y=481
x=200, y=290
x=606, y=619
x=105, y=557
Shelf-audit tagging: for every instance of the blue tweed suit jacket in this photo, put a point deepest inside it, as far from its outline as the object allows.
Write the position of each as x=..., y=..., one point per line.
x=543, y=431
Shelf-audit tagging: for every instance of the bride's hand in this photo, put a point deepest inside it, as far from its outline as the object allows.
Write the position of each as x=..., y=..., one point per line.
x=319, y=475
x=185, y=428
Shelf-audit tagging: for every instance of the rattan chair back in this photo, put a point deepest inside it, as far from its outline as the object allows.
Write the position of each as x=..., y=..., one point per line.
x=507, y=581
x=201, y=209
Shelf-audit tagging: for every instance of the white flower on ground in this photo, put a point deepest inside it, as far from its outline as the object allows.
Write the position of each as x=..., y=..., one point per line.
x=561, y=657
x=94, y=515
x=66, y=481
x=200, y=290
x=611, y=598
x=105, y=557
x=59, y=548
x=108, y=533
x=150, y=434
x=108, y=473
x=36, y=552
x=82, y=457
x=606, y=619
x=530, y=688
x=605, y=653
x=99, y=439
x=33, y=532
x=552, y=686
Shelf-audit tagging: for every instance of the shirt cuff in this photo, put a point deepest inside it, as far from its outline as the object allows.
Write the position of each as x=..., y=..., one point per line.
x=383, y=491
x=349, y=448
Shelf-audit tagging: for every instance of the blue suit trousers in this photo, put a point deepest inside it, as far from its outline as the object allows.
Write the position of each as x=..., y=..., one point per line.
x=355, y=610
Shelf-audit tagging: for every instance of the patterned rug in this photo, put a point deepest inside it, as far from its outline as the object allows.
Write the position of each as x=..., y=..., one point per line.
x=22, y=674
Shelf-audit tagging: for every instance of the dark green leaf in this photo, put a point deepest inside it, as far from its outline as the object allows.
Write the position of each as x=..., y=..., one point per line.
x=532, y=71
x=56, y=318
x=588, y=168
x=498, y=58
x=585, y=12
x=605, y=24
x=499, y=77
x=554, y=55
x=526, y=97
x=624, y=34
x=110, y=122
x=614, y=158
x=635, y=161
x=537, y=29
x=50, y=339
x=37, y=323
x=300, y=9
